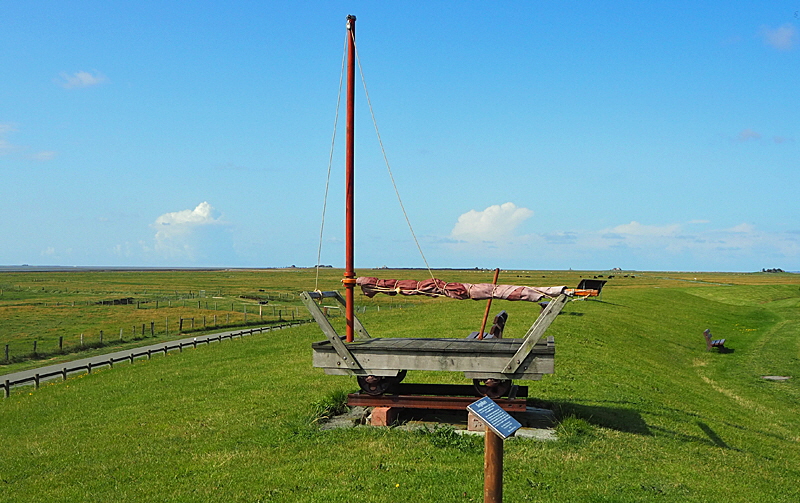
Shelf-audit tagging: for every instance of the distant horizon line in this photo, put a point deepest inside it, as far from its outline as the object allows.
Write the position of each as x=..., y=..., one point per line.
x=63, y=268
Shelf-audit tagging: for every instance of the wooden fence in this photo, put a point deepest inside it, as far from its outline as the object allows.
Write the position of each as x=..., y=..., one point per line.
x=36, y=379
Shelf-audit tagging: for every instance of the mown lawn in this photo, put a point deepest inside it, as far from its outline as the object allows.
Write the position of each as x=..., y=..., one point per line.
x=648, y=414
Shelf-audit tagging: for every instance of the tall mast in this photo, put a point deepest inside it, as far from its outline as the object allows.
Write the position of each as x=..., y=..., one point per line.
x=349, y=280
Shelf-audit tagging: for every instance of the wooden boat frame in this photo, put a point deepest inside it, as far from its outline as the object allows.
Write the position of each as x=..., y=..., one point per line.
x=381, y=362
x=499, y=359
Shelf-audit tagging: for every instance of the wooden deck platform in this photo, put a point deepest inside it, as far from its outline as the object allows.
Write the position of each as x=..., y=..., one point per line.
x=478, y=359
x=526, y=358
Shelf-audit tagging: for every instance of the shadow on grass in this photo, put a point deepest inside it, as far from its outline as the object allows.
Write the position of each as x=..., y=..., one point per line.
x=615, y=418
x=712, y=435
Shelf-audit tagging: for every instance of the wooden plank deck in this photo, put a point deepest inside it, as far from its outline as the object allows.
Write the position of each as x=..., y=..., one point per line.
x=478, y=359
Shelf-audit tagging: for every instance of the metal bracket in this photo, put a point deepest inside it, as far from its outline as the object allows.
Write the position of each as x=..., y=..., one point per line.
x=535, y=333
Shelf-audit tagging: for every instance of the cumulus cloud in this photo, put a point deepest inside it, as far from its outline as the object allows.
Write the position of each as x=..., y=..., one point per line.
x=495, y=223
x=80, y=79
x=189, y=234
x=782, y=38
x=633, y=245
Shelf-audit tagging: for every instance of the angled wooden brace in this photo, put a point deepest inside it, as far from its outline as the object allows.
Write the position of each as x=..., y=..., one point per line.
x=535, y=333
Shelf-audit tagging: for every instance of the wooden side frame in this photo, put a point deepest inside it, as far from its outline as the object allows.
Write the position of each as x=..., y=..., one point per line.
x=344, y=354
x=535, y=333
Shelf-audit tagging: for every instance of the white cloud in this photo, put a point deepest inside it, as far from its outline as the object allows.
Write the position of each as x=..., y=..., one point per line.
x=44, y=155
x=635, y=245
x=783, y=37
x=743, y=228
x=6, y=147
x=188, y=234
x=495, y=223
x=636, y=229
x=80, y=79
x=748, y=134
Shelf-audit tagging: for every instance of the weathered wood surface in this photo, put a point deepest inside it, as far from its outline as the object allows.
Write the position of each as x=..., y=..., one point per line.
x=495, y=358
x=476, y=358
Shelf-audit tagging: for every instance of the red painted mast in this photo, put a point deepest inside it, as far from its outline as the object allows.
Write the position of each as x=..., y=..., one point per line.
x=349, y=280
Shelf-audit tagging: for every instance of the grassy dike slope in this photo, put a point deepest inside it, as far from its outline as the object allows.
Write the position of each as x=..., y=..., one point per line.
x=649, y=415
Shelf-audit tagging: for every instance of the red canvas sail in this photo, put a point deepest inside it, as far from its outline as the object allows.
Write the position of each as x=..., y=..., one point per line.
x=475, y=291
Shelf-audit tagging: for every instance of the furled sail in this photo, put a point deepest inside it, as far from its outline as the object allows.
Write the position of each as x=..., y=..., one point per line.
x=475, y=291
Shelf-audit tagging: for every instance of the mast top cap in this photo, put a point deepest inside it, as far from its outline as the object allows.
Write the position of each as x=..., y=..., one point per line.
x=350, y=18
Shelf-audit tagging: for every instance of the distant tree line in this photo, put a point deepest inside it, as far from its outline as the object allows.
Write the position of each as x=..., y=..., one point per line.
x=772, y=270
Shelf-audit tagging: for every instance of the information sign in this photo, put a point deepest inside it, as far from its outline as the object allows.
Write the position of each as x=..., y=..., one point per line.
x=494, y=417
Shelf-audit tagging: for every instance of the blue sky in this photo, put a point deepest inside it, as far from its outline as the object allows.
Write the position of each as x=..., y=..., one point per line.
x=531, y=135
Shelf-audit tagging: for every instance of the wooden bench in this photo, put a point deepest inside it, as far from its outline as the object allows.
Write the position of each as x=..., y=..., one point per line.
x=712, y=343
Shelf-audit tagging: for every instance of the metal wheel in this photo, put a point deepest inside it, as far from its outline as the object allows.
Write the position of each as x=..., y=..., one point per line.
x=378, y=385
x=493, y=388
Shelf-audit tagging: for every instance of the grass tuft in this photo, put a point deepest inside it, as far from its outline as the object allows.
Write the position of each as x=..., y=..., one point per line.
x=446, y=437
x=574, y=430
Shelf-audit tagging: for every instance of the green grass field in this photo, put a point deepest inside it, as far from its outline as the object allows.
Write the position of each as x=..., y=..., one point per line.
x=647, y=413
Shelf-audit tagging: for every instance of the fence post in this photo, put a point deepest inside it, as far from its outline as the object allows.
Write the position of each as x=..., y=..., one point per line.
x=215, y=320
x=36, y=381
x=64, y=373
x=101, y=337
x=34, y=348
x=166, y=325
x=204, y=322
x=142, y=329
x=6, y=352
x=7, y=388
x=81, y=339
x=120, y=335
x=180, y=326
x=192, y=322
x=60, y=343
x=152, y=328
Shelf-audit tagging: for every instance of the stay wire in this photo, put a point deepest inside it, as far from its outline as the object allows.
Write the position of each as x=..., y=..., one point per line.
x=386, y=160
x=330, y=164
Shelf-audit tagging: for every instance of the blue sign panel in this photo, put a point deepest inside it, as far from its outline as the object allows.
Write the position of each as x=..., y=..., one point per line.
x=494, y=417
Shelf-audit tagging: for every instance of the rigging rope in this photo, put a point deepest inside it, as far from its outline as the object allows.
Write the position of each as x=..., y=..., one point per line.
x=386, y=160
x=330, y=163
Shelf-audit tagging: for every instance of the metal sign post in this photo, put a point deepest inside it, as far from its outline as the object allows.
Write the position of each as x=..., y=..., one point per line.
x=499, y=426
